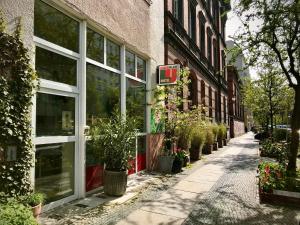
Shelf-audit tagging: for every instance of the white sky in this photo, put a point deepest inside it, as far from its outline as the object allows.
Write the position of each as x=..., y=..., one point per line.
x=232, y=25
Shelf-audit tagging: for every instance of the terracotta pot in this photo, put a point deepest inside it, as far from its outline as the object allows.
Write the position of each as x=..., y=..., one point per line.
x=36, y=210
x=115, y=182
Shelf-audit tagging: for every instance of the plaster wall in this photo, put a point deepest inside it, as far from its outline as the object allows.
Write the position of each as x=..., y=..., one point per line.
x=12, y=11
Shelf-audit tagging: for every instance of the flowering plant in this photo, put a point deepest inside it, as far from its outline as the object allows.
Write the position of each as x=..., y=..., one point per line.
x=271, y=176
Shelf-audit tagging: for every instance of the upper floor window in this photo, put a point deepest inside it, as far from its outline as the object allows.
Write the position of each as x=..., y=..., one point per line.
x=192, y=19
x=178, y=10
x=209, y=47
x=209, y=6
x=216, y=55
x=202, y=32
x=54, y=26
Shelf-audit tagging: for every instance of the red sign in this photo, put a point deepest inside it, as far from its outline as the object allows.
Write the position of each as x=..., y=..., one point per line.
x=168, y=74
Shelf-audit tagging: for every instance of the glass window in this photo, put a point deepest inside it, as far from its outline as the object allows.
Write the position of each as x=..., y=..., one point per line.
x=130, y=63
x=54, y=26
x=103, y=93
x=54, y=170
x=112, y=54
x=55, y=67
x=95, y=46
x=141, y=68
x=136, y=102
x=55, y=115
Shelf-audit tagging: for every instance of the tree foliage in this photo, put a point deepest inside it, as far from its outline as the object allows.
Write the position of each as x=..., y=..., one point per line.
x=273, y=26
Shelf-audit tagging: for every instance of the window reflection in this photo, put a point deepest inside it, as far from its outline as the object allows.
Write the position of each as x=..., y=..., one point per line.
x=135, y=102
x=103, y=93
x=130, y=63
x=54, y=170
x=55, y=67
x=95, y=46
x=54, y=26
x=112, y=54
x=55, y=115
x=141, y=68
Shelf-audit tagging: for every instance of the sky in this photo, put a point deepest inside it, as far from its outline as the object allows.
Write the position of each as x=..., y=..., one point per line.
x=232, y=25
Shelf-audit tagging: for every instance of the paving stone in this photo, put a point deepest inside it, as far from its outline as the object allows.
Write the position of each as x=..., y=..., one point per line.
x=148, y=218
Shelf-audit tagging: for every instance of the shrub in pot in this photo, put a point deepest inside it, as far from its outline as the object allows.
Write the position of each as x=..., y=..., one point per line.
x=215, y=130
x=15, y=213
x=209, y=141
x=221, y=134
x=165, y=161
x=198, y=140
x=35, y=201
x=179, y=157
x=114, y=140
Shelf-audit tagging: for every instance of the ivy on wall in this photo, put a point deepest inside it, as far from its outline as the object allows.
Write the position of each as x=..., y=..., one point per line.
x=18, y=82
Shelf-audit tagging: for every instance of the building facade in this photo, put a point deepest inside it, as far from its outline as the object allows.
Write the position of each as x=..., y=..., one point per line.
x=236, y=108
x=95, y=56
x=239, y=72
x=91, y=57
x=195, y=37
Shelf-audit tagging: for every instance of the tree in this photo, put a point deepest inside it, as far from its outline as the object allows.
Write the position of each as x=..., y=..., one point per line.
x=268, y=96
x=276, y=30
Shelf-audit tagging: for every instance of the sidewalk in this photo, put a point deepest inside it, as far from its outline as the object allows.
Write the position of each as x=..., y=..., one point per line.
x=222, y=191
x=219, y=189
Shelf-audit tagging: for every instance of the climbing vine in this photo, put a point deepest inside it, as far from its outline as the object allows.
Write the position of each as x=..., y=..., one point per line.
x=17, y=84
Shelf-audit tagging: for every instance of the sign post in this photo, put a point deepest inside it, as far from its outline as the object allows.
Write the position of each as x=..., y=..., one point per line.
x=167, y=74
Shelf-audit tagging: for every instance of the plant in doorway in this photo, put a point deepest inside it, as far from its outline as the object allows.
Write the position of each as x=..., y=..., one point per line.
x=114, y=139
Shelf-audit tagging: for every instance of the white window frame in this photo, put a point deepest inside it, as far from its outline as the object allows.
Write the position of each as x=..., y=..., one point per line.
x=79, y=93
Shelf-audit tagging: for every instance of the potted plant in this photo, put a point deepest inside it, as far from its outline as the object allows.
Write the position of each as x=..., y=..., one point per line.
x=165, y=161
x=179, y=157
x=208, y=147
x=114, y=139
x=220, y=136
x=215, y=130
x=35, y=201
x=198, y=140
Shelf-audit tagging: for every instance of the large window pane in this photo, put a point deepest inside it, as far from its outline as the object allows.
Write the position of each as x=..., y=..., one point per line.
x=95, y=46
x=54, y=26
x=103, y=93
x=112, y=54
x=55, y=67
x=136, y=102
x=54, y=170
x=55, y=115
x=141, y=68
x=130, y=63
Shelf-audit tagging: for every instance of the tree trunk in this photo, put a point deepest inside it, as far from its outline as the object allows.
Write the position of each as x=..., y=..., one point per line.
x=295, y=125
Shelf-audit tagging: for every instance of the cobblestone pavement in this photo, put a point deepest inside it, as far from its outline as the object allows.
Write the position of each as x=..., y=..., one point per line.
x=234, y=197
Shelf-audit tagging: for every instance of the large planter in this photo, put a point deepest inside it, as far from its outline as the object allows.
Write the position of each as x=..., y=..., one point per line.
x=177, y=165
x=186, y=160
x=207, y=149
x=278, y=197
x=225, y=142
x=195, y=152
x=215, y=148
x=165, y=164
x=220, y=143
x=115, y=182
x=36, y=210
